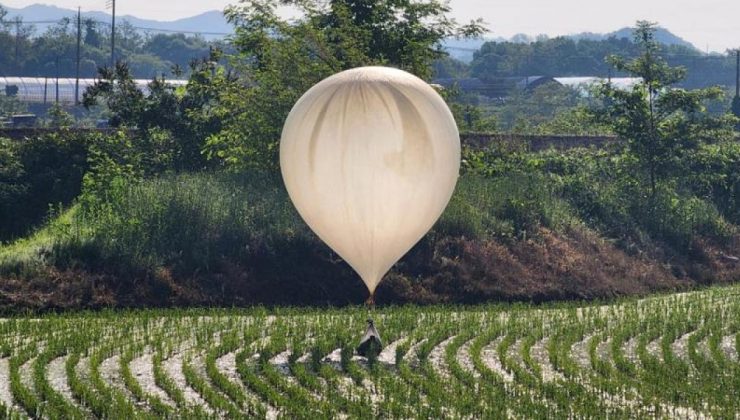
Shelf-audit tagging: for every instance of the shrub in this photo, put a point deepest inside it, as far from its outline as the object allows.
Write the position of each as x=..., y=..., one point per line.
x=713, y=172
x=189, y=220
x=38, y=173
x=606, y=190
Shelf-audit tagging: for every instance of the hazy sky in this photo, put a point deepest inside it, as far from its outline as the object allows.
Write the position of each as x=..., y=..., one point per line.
x=712, y=24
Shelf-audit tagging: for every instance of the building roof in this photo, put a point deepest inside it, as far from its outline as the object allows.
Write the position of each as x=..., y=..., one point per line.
x=585, y=82
x=533, y=82
x=502, y=86
x=44, y=89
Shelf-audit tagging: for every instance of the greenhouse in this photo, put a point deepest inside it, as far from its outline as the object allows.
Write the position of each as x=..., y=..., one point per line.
x=52, y=89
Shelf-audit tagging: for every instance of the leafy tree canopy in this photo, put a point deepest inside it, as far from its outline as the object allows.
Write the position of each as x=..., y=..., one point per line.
x=565, y=56
x=661, y=123
x=279, y=59
x=26, y=51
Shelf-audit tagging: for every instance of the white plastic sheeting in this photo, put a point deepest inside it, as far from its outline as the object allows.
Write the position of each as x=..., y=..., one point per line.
x=370, y=158
x=623, y=83
x=44, y=89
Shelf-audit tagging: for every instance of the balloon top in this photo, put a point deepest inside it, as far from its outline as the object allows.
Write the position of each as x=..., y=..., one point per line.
x=374, y=73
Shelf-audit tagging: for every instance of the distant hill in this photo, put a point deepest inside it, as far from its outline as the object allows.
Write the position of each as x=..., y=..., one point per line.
x=463, y=49
x=212, y=24
x=662, y=35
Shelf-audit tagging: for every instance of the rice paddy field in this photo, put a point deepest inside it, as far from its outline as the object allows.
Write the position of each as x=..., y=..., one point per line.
x=669, y=356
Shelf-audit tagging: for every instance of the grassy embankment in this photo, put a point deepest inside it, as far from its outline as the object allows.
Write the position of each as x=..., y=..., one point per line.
x=521, y=226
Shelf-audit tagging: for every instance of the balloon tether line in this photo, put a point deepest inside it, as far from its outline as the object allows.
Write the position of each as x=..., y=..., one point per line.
x=370, y=302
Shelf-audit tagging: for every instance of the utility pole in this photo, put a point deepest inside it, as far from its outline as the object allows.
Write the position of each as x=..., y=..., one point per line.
x=17, y=44
x=79, y=40
x=735, y=108
x=57, y=83
x=737, y=72
x=112, y=4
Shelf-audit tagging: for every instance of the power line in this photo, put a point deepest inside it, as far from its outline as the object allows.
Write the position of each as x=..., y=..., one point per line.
x=142, y=28
x=182, y=31
x=699, y=55
x=33, y=22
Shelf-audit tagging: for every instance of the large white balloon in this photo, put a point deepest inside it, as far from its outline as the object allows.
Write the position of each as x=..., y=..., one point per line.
x=370, y=158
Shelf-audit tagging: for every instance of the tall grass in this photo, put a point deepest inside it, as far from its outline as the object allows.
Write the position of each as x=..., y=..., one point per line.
x=190, y=221
x=503, y=206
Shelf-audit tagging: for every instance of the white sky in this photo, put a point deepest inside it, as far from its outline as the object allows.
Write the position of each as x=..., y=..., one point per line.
x=712, y=24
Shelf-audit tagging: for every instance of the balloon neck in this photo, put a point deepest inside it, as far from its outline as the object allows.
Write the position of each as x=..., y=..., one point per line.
x=370, y=302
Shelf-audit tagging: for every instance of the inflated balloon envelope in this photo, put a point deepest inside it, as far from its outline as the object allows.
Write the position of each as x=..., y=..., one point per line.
x=370, y=158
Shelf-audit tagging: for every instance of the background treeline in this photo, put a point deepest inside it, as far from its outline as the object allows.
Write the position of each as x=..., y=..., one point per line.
x=24, y=51
x=555, y=109
x=565, y=56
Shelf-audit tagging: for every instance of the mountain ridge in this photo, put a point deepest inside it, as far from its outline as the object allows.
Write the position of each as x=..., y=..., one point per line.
x=463, y=49
x=212, y=23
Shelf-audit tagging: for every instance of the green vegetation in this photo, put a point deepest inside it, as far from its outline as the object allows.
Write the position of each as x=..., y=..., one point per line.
x=658, y=117
x=664, y=356
x=658, y=121
x=9, y=106
x=182, y=205
x=546, y=110
x=563, y=56
x=287, y=58
x=36, y=174
x=52, y=53
x=189, y=208
x=224, y=237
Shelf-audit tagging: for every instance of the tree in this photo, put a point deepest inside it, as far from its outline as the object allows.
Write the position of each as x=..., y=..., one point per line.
x=128, y=38
x=536, y=106
x=10, y=105
x=92, y=36
x=53, y=52
x=659, y=122
x=124, y=100
x=176, y=48
x=12, y=187
x=14, y=42
x=239, y=108
x=569, y=56
x=173, y=121
x=279, y=60
x=59, y=118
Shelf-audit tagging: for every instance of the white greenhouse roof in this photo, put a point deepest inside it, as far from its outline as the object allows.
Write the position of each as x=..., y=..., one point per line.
x=44, y=89
x=624, y=83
